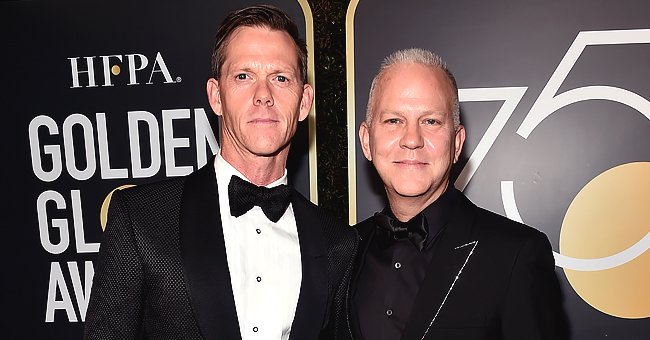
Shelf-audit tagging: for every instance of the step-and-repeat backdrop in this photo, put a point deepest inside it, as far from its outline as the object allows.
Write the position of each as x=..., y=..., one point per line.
x=555, y=98
x=97, y=95
x=102, y=94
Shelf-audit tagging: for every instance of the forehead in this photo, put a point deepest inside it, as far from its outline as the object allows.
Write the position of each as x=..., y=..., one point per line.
x=414, y=86
x=261, y=44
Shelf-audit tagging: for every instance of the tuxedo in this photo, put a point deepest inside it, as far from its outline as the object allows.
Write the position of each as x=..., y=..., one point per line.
x=487, y=278
x=162, y=271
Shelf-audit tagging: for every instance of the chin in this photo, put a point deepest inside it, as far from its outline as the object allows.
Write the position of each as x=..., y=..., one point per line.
x=411, y=191
x=268, y=150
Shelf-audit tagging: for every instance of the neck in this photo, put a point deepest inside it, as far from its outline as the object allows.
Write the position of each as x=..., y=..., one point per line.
x=405, y=207
x=259, y=170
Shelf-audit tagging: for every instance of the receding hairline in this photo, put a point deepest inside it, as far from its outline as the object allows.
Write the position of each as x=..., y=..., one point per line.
x=412, y=56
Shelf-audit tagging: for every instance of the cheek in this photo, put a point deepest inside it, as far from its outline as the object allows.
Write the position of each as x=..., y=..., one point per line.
x=287, y=96
x=439, y=143
x=385, y=144
x=238, y=97
x=233, y=120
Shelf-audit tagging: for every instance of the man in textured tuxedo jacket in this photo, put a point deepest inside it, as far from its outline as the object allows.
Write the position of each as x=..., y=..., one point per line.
x=432, y=265
x=230, y=251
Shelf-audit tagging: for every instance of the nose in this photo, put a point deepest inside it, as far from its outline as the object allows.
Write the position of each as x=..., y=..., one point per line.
x=263, y=96
x=412, y=137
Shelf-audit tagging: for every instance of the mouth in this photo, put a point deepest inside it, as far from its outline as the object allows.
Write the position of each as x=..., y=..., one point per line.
x=410, y=163
x=263, y=121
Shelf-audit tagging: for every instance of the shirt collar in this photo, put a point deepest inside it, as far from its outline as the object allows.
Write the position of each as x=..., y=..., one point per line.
x=437, y=213
x=225, y=170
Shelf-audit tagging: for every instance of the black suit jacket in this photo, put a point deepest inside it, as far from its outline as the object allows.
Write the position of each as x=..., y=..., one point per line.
x=489, y=278
x=162, y=271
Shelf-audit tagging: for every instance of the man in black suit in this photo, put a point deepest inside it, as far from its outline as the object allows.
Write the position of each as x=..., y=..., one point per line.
x=230, y=251
x=432, y=265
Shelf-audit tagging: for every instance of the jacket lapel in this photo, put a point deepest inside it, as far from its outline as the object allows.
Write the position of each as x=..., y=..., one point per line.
x=366, y=230
x=453, y=252
x=204, y=257
x=312, y=301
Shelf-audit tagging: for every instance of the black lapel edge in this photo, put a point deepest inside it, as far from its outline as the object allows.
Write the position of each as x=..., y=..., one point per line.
x=313, y=296
x=473, y=245
x=366, y=230
x=203, y=252
x=451, y=255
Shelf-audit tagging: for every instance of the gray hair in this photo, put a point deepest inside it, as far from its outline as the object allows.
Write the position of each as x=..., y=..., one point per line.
x=414, y=56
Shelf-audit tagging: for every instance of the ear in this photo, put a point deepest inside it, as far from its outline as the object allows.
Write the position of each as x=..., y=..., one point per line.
x=364, y=138
x=459, y=140
x=214, y=98
x=306, y=101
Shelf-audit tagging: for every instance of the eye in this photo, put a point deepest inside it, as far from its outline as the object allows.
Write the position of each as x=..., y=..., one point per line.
x=282, y=79
x=431, y=121
x=392, y=121
x=241, y=76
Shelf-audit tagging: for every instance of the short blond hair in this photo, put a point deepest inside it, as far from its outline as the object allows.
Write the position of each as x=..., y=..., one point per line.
x=414, y=56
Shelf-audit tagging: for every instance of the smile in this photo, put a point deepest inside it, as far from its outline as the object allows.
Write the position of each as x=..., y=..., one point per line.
x=410, y=163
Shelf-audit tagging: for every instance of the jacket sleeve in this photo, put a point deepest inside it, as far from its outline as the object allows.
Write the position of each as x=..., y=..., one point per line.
x=533, y=305
x=115, y=309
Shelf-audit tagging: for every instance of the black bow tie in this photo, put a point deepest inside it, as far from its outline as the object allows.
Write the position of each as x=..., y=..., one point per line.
x=416, y=229
x=244, y=196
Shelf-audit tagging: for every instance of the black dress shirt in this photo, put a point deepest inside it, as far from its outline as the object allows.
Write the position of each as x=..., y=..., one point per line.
x=392, y=272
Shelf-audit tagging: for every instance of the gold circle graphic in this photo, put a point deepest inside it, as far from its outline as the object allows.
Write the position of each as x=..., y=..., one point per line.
x=115, y=70
x=103, y=213
x=610, y=214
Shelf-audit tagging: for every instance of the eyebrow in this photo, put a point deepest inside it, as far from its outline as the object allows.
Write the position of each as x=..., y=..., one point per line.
x=423, y=113
x=247, y=67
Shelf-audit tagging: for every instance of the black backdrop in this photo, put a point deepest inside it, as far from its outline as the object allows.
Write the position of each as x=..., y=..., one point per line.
x=489, y=45
x=68, y=143
x=582, y=175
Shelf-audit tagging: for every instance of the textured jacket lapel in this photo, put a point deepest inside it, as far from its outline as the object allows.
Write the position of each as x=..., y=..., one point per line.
x=312, y=302
x=204, y=257
x=367, y=230
x=453, y=251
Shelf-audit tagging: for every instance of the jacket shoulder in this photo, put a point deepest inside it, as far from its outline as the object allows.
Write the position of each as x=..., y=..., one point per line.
x=505, y=228
x=154, y=190
x=334, y=228
x=144, y=206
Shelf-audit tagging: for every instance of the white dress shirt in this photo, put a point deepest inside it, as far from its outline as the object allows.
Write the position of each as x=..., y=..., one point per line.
x=264, y=263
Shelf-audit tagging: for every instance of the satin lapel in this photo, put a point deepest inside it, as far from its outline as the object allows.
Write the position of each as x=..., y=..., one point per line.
x=453, y=252
x=312, y=301
x=204, y=257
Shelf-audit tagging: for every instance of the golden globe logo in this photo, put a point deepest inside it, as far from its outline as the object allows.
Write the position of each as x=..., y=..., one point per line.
x=137, y=68
x=605, y=239
x=605, y=233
